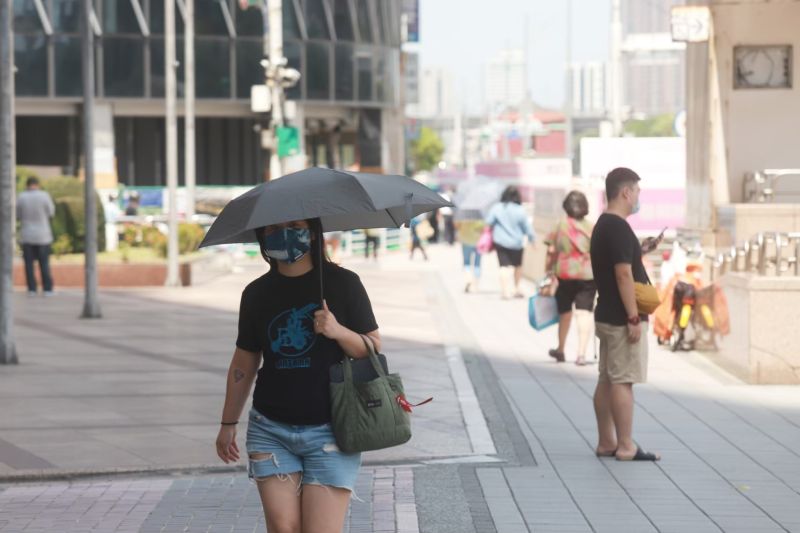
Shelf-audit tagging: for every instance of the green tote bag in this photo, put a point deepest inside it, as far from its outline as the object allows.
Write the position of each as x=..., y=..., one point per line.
x=366, y=405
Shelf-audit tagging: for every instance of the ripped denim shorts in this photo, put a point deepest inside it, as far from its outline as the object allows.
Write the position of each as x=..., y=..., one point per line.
x=282, y=449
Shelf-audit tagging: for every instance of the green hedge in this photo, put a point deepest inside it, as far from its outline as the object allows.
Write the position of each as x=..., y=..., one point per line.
x=69, y=227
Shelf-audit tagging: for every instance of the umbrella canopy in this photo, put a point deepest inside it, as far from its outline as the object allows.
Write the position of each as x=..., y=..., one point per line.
x=477, y=199
x=341, y=200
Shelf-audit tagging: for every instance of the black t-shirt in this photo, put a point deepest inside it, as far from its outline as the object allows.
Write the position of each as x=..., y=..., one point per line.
x=613, y=242
x=276, y=319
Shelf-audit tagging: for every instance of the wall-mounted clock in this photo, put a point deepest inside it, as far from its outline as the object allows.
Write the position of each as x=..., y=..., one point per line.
x=762, y=67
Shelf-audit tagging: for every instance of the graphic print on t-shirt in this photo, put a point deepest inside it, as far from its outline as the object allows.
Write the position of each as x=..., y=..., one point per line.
x=291, y=334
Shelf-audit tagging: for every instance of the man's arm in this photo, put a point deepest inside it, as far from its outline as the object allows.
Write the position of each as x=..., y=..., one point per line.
x=624, y=275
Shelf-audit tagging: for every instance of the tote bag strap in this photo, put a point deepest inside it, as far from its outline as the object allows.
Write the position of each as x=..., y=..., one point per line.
x=373, y=357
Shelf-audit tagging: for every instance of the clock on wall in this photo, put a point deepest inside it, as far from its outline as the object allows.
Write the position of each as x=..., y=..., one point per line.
x=762, y=67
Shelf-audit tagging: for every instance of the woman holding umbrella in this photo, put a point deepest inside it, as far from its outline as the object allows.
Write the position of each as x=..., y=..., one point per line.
x=303, y=479
x=298, y=330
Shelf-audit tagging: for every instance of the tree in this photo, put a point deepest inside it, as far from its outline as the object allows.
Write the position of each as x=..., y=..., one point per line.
x=426, y=150
x=657, y=126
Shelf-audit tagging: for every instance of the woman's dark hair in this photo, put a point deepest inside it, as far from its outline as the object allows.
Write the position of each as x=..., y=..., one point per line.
x=315, y=225
x=511, y=194
x=576, y=205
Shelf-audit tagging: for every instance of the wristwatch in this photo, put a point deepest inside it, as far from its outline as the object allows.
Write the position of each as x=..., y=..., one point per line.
x=634, y=320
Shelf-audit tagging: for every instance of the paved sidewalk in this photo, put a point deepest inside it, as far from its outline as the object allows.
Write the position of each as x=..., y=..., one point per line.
x=506, y=446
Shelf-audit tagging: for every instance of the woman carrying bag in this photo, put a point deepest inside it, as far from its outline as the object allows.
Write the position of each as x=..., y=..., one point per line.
x=568, y=261
x=304, y=480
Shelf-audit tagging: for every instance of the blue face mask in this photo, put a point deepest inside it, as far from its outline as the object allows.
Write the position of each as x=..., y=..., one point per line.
x=635, y=207
x=288, y=244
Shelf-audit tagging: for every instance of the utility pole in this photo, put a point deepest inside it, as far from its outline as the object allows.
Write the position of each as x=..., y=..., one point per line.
x=188, y=87
x=569, y=92
x=172, y=144
x=8, y=353
x=91, y=305
x=276, y=63
x=616, y=67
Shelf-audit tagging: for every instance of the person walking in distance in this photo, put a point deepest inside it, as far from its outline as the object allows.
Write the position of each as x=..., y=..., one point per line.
x=372, y=236
x=510, y=227
x=616, y=256
x=35, y=208
x=569, y=262
x=304, y=480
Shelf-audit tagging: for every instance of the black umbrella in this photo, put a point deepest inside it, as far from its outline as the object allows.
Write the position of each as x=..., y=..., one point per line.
x=341, y=200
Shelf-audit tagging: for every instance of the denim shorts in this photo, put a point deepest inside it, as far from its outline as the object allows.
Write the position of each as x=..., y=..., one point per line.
x=310, y=450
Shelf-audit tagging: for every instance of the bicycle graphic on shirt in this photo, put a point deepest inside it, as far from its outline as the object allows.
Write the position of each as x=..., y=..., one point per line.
x=296, y=335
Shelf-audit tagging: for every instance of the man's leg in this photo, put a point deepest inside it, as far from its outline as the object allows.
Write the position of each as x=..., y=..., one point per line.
x=606, y=432
x=44, y=267
x=28, y=256
x=622, y=411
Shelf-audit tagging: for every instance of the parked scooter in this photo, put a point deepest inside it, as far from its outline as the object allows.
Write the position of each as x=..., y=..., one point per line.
x=693, y=307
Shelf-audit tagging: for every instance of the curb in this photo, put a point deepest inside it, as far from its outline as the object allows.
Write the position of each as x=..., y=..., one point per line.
x=72, y=475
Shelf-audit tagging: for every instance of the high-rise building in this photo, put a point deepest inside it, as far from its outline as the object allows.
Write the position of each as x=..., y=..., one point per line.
x=506, y=79
x=589, y=83
x=436, y=94
x=653, y=73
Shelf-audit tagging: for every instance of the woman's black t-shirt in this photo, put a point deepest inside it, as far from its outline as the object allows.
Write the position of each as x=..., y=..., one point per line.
x=276, y=319
x=614, y=242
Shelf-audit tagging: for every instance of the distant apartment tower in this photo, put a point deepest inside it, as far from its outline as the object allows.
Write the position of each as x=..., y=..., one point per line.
x=411, y=77
x=436, y=93
x=589, y=88
x=506, y=79
x=653, y=74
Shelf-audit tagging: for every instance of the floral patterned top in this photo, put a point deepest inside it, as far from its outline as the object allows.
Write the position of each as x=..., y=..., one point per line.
x=570, y=239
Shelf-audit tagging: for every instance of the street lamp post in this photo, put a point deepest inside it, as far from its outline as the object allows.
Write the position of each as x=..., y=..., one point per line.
x=91, y=305
x=172, y=143
x=189, y=127
x=8, y=354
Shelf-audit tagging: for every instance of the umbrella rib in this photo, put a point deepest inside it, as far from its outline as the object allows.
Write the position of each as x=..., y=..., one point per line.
x=396, y=224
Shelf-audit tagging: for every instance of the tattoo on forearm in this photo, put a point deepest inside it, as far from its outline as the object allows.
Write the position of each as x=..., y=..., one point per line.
x=238, y=375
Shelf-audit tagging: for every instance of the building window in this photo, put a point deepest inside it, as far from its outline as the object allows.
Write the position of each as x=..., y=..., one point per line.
x=386, y=37
x=123, y=66
x=66, y=15
x=212, y=71
x=291, y=27
x=364, y=66
x=157, y=79
x=68, y=66
x=342, y=21
x=249, y=71
x=318, y=82
x=364, y=21
x=316, y=21
x=249, y=21
x=118, y=17
x=380, y=76
x=30, y=58
x=157, y=17
x=345, y=88
x=293, y=51
x=208, y=18
x=26, y=19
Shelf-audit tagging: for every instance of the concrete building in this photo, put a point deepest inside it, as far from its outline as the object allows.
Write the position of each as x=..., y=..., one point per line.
x=589, y=84
x=506, y=80
x=437, y=98
x=653, y=79
x=347, y=102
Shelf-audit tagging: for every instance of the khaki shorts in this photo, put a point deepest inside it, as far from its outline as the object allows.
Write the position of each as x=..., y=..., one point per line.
x=621, y=361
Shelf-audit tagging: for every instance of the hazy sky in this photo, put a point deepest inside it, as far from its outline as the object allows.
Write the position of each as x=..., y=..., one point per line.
x=462, y=35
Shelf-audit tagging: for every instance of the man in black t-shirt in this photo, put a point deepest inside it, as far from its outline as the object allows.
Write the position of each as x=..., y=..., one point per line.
x=617, y=264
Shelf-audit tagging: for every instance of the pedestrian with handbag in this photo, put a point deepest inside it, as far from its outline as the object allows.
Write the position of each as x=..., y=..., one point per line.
x=510, y=227
x=620, y=317
x=569, y=266
x=305, y=481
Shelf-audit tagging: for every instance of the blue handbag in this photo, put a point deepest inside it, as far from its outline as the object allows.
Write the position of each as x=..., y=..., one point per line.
x=542, y=311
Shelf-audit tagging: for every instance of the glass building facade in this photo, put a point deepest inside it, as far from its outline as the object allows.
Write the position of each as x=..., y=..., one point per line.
x=348, y=52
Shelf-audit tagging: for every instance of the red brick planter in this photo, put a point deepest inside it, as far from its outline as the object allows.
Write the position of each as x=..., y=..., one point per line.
x=109, y=275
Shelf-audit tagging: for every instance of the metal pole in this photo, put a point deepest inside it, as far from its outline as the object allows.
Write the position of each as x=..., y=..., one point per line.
x=172, y=144
x=91, y=306
x=275, y=16
x=616, y=67
x=189, y=139
x=569, y=90
x=8, y=353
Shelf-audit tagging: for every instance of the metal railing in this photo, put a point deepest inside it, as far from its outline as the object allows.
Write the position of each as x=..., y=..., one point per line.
x=766, y=253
